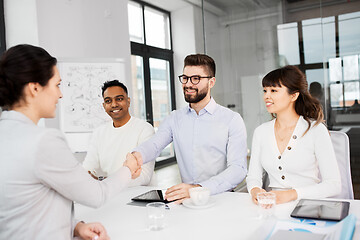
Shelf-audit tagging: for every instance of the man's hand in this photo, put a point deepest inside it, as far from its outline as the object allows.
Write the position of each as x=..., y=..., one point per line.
x=138, y=157
x=179, y=192
x=254, y=193
x=285, y=196
x=90, y=231
x=132, y=163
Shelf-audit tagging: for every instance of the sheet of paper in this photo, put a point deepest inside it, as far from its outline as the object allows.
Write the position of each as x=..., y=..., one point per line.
x=331, y=233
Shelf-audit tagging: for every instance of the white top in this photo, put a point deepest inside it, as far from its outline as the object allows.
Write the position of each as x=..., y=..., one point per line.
x=300, y=166
x=39, y=179
x=109, y=146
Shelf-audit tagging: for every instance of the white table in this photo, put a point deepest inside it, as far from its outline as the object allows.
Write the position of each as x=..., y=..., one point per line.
x=233, y=216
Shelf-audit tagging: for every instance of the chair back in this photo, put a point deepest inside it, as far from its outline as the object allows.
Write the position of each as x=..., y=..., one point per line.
x=340, y=141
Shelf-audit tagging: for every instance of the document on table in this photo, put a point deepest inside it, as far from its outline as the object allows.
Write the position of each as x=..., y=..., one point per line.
x=286, y=235
x=294, y=230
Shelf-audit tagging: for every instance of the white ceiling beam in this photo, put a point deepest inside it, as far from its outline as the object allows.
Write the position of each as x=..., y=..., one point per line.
x=226, y=23
x=208, y=7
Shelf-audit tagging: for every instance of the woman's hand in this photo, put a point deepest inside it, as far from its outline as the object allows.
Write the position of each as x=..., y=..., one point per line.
x=254, y=193
x=90, y=231
x=285, y=196
x=133, y=164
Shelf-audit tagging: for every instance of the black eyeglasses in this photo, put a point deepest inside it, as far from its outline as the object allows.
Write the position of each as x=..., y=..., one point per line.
x=193, y=79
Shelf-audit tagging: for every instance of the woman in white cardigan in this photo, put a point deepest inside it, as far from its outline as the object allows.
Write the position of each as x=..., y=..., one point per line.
x=294, y=148
x=39, y=176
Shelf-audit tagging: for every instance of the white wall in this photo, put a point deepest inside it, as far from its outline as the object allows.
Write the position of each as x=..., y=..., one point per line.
x=214, y=48
x=244, y=52
x=183, y=38
x=21, y=24
x=71, y=29
x=188, y=39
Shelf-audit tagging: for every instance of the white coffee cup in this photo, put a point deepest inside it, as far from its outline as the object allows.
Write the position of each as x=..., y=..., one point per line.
x=199, y=195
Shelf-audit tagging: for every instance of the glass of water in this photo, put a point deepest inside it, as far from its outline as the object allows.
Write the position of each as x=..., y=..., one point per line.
x=156, y=215
x=266, y=202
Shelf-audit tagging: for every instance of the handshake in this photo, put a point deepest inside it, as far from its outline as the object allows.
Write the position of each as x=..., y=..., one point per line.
x=134, y=162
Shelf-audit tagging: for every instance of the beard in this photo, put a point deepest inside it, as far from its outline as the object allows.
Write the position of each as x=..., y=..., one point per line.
x=197, y=97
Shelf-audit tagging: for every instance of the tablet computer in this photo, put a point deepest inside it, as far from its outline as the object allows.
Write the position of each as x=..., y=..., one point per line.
x=321, y=209
x=151, y=196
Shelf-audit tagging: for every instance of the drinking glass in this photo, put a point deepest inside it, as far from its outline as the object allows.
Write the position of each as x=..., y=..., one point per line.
x=266, y=202
x=156, y=215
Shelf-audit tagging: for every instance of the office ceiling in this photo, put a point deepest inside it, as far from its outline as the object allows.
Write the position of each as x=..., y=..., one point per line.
x=222, y=8
x=218, y=7
x=223, y=5
x=227, y=5
x=169, y=5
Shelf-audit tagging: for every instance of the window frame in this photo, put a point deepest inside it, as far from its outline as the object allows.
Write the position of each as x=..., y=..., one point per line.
x=2, y=28
x=324, y=65
x=146, y=52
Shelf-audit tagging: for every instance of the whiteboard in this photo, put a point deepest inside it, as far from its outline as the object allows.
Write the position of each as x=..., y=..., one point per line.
x=81, y=108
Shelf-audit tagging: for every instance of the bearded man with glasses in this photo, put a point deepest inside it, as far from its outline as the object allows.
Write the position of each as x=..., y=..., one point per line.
x=209, y=139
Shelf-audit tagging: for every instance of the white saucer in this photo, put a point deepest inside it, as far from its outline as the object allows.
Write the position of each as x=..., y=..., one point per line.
x=188, y=203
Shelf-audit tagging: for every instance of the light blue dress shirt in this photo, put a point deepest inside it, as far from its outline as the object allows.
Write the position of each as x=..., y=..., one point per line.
x=210, y=146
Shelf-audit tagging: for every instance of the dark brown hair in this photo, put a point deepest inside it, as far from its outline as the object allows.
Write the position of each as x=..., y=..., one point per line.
x=295, y=81
x=21, y=65
x=201, y=60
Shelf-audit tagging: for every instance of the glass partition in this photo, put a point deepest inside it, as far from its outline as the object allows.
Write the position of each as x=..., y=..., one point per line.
x=248, y=39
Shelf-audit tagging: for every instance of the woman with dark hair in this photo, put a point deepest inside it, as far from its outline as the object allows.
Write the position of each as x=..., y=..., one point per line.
x=39, y=176
x=294, y=148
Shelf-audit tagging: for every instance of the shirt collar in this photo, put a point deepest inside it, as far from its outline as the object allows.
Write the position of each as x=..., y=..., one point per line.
x=210, y=107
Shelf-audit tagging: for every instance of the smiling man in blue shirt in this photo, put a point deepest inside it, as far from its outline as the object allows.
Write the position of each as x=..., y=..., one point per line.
x=209, y=139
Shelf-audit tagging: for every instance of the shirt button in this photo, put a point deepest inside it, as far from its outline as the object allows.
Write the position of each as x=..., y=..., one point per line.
x=294, y=137
x=289, y=148
x=279, y=157
x=280, y=168
x=283, y=177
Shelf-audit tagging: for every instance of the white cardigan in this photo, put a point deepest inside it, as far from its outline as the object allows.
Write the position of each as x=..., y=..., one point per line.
x=307, y=165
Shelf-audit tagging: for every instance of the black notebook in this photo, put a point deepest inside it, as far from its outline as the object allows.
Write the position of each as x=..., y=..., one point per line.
x=151, y=196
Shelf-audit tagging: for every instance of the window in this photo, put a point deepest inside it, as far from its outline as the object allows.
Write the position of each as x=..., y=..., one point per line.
x=337, y=40
x=2, y=28
x=344, y=80
x=314, y=31
x=288, y=44
x=349, y=33
x=153, y=95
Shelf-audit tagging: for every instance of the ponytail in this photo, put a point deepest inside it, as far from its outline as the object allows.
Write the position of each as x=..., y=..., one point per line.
x=310, y=108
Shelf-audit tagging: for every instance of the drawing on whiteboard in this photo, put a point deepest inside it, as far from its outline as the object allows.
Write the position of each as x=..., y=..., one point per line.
x=81, y=105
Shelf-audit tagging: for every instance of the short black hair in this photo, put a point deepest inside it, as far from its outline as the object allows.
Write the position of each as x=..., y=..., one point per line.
x=113, y=83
